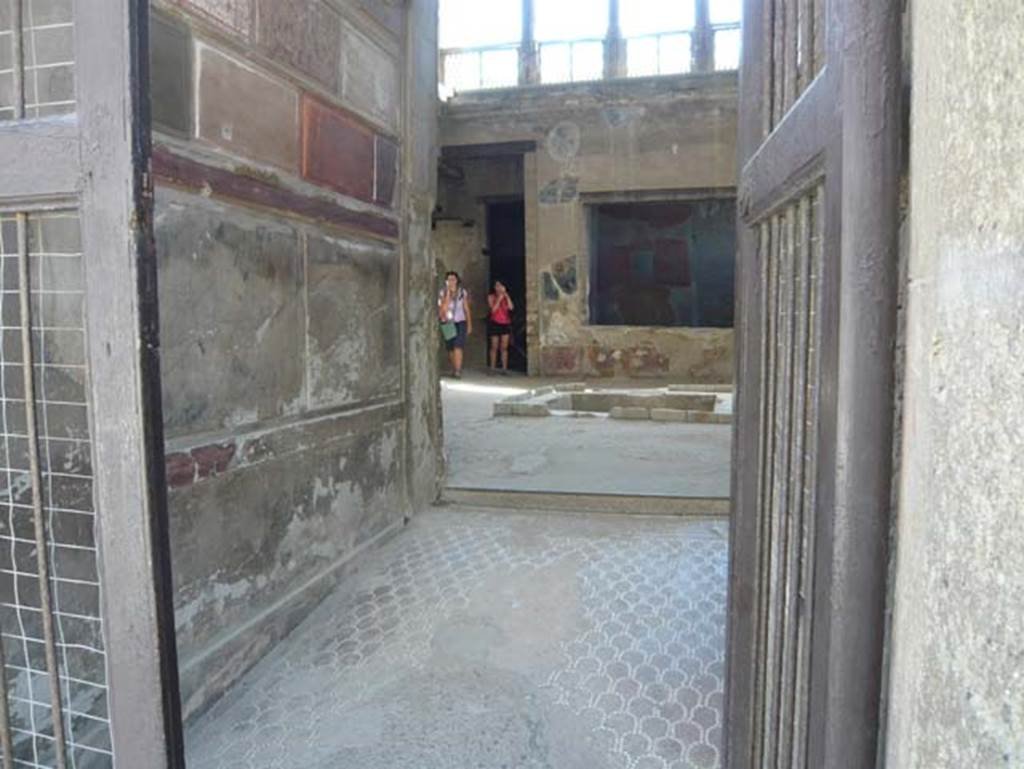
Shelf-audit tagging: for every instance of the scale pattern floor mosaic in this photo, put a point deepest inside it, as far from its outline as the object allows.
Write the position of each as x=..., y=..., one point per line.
x=497, y=640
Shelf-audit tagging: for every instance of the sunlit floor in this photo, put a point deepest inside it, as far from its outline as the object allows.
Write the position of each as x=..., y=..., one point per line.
x=595, y=456
x=492, y=641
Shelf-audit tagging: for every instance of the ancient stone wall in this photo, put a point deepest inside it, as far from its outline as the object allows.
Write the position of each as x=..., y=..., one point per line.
x=957, y=658
x=283, y=154
x=628, y=140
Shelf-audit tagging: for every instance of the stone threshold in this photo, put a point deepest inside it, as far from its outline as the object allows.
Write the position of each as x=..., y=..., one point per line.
x=565, y=502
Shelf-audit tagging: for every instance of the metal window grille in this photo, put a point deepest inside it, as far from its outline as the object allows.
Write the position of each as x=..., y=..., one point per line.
x=473, y=69
x=726, y=42
x=665, y=53
x=571, y=61
x=53, y=690
x=36, y=58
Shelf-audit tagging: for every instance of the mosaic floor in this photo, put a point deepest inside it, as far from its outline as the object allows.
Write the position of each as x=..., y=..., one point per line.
x=498, y=641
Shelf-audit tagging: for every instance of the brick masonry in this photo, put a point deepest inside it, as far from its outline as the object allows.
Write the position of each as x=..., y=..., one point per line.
x=185, y=468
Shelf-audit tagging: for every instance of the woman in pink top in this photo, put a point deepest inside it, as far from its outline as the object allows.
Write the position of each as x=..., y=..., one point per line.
x=499, y=326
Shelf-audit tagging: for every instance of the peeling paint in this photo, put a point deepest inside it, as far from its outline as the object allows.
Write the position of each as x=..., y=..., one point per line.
x=558, y=191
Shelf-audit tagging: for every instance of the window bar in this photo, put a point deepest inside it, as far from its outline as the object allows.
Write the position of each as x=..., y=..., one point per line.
x=702, y=40
x=6, y=741
x=529, y=54
x=39, y=521
x=18, y=58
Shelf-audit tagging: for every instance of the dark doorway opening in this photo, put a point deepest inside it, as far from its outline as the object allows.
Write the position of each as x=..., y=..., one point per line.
x=506, y=246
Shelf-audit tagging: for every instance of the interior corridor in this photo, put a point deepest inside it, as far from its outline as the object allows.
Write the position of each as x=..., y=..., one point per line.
x=497, y=640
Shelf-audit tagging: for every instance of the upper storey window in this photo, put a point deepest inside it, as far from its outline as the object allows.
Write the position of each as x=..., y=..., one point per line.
x=725, y=17
x=571, y=39
x=480, y=43
x=505, y=43
x=658, y=36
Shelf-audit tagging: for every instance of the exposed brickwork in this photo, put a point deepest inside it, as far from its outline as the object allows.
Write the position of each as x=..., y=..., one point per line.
x=336, y=150
x=229, y=92
x=304, y=34
x=185, y=468
x=181, y=470
x=213, y=459
x=236, y=15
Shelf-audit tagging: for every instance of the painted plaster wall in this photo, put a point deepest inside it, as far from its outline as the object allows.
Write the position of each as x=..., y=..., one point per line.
x=285, y=162
x=617, y=140
x=423, y=460
x=957, y=678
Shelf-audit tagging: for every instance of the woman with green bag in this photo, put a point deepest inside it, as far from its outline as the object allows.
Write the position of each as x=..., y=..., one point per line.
x=456, y=319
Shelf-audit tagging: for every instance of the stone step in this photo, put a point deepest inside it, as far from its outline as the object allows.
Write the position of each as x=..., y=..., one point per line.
x=620, y=504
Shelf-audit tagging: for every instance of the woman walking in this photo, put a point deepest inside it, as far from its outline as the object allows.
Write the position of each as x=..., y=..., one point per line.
x=499, y=326
x=456, y=319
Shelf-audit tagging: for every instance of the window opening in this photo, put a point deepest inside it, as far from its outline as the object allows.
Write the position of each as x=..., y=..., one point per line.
x=726, y=17
x=480, y=44
x=488, y=45
x=658, y=36
x=571, y=39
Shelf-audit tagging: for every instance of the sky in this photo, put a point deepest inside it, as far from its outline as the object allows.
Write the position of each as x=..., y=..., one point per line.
x=470, y=23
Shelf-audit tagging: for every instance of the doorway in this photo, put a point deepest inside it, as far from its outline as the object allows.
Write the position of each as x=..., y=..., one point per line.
x=506, y=251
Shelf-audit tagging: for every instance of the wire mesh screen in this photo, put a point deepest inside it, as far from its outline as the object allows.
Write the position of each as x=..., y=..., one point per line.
x=36, y=58
x=54, y=683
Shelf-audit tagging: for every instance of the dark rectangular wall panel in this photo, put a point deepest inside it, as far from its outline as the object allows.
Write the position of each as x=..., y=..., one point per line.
x=170, y=56
x=337, y=151
x=386, y=172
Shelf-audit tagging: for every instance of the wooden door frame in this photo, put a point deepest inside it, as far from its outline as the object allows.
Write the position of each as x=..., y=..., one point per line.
x=96, y=161
x=133, y=533
x=855, y=102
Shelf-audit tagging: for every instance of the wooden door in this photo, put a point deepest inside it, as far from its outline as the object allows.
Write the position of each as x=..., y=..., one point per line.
x=812, y=467
x=89, y=676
